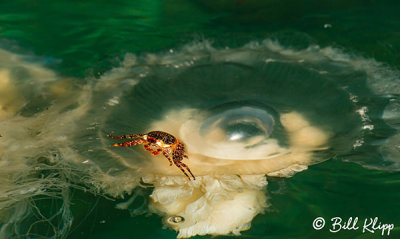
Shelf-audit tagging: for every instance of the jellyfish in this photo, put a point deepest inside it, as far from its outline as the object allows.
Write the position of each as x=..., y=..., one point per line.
x=245, y=115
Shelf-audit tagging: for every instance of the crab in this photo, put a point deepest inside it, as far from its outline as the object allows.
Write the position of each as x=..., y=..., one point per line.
x=162, y=142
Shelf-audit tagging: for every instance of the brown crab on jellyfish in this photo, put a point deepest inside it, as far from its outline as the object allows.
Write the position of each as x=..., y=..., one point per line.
x=164, y=143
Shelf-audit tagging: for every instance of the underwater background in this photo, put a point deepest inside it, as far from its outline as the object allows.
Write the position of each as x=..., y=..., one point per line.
x=83, y=69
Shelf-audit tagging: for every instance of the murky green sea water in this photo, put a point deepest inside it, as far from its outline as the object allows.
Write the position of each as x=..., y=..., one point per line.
x=82, y=69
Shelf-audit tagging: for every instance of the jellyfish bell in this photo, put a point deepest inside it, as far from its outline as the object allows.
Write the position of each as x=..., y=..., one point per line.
x=235, y=134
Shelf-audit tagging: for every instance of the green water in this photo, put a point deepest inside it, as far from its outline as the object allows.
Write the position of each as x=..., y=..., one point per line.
x=85, y=39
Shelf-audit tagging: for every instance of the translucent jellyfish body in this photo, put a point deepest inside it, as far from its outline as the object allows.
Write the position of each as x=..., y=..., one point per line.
x=245, y=114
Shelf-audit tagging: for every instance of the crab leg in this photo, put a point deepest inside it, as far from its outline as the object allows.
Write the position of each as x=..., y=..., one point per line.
x=129, y=143
x=158, y=151
x=177, y=163
x=187, y=168
x=147, y=147
x=169, y=159
x=128, y=136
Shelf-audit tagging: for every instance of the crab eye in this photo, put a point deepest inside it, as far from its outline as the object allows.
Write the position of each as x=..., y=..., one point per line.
x=235, y=131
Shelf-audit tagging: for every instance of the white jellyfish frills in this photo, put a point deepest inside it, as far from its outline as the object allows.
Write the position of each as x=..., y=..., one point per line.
x=227, y=193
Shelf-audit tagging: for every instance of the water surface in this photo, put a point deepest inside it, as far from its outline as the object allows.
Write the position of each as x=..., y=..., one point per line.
x=86, y=69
